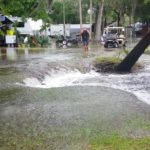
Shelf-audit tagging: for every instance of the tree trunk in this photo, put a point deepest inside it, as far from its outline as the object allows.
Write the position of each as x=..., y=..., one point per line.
x=80, y=13
x=134, y=55
x=99, y=21
x=134, y=5
x=122, y=18
x=118, y=17
x=49, y=4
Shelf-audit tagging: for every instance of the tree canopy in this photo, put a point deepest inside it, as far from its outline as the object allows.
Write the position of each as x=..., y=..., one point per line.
x=124, y=12
x=48, y=11
x=36, y=9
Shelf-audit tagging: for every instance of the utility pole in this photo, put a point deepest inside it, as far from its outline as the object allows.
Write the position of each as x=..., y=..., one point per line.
x=80, y=12
x=91, y=12
x=64, y=18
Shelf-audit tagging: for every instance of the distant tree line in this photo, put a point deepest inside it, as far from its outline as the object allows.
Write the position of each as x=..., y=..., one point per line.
x=124, y=12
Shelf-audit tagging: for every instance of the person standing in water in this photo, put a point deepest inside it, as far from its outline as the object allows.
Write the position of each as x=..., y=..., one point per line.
x=85, y=35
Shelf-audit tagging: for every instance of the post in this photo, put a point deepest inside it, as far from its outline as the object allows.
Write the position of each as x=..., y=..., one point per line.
x=91, y=12
x=64, y=19
x=80, y=12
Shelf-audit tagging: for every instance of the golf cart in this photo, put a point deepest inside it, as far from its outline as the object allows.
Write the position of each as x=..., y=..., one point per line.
x=114, y=37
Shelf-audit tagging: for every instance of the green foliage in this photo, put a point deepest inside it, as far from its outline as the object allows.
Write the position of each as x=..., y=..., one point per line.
x=2, y=33
x=142, y=11
x=38, y=41
x=71, y=12
x=43, y=40
x=113, y=10
x=25, y=8
x=57, y=9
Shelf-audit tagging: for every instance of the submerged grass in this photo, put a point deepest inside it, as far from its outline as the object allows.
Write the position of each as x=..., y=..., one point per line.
x=128, y=140
x=86, y=138
x=30, y=132
x=106, y=142
x=116, y=142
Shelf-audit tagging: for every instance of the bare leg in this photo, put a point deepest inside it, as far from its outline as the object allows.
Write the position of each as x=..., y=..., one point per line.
x=84, y=47
x=86, y=50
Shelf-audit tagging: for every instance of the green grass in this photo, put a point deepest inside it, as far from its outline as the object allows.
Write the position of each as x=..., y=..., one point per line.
x=84, y=139
x=100, y=142
x=35, y=143
x=115, y=142
x=127, y=140
x=113, y=60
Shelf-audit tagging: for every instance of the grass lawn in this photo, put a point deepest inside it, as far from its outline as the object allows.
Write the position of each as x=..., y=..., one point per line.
x=115, y=142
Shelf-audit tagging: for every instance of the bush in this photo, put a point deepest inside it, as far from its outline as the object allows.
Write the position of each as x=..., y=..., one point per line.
x=43, y=40
x=38, y=41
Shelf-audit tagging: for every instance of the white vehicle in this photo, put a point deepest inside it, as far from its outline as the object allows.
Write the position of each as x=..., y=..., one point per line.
x=114, y=37
x=58, y=30
x=70, y=29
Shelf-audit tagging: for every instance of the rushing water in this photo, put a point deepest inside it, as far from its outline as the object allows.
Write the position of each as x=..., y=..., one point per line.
x=136, y=83
x=56, y=98
x=70, y=68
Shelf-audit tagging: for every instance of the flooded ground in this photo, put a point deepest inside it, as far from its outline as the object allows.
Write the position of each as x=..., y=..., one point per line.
x=52, y=99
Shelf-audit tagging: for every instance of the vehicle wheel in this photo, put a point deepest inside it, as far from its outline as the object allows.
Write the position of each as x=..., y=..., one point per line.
x=110, y=45
x=106, y=45
x=64, y=46
x=69, y=44
x=125, y=44
x=64, y=42
x=115, y=45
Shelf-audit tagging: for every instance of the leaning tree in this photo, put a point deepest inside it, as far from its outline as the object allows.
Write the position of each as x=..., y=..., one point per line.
x=134, y=55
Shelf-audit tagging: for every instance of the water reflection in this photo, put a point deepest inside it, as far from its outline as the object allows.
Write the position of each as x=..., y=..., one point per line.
x=4, y=56
x=8, y=55
x=11, y=54
x=26, y=52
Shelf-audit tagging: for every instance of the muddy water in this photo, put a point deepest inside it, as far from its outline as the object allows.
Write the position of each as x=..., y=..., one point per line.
x=53, y=98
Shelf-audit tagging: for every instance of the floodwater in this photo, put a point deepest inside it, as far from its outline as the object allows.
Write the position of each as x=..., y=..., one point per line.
x=53, y=96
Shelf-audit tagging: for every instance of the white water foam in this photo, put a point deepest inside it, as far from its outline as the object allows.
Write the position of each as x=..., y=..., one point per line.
x=56, y=57
x=135, y=83
x=61, y=79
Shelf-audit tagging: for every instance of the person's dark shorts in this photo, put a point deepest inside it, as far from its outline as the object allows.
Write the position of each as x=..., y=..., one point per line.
x=85, y=42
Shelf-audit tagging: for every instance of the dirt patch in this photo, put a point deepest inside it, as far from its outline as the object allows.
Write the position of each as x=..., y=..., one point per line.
x=105, y=67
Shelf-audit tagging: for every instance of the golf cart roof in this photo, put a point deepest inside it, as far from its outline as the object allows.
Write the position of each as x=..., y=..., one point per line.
x=114, y=27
